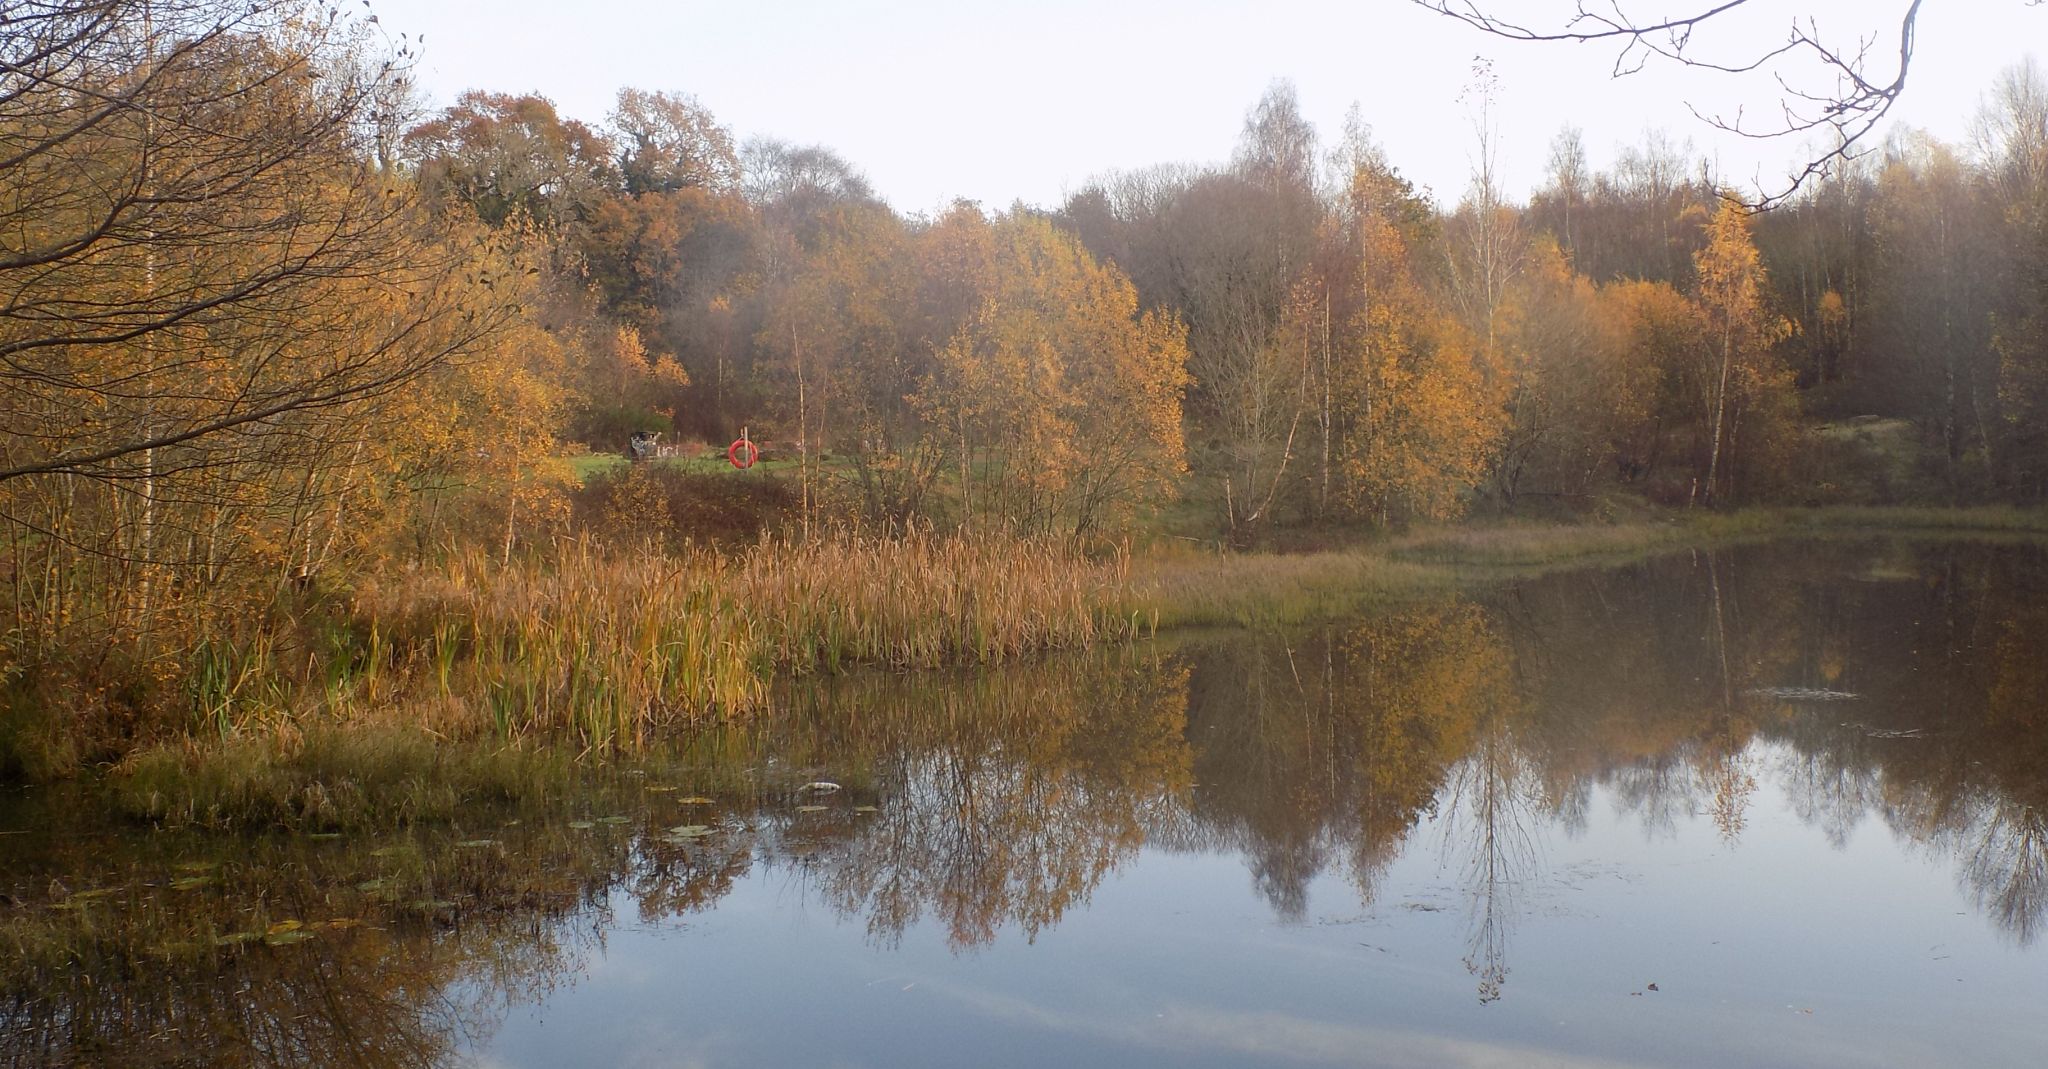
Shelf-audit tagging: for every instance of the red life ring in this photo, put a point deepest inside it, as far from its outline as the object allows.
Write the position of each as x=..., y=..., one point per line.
x=743, y=453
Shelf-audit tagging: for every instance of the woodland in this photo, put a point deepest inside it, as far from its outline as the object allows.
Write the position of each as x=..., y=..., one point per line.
x=301, y=379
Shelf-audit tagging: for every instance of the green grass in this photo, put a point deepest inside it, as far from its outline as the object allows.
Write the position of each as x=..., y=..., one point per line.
x=1193, y=589
x=713, y=463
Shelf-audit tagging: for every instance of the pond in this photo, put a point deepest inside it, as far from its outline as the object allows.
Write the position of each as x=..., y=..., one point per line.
x=1781, y=805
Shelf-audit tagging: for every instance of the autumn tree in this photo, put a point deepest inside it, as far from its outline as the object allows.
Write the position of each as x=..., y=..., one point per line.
x=670, y=253
x=1660, y=335
x=1225, y=249
x=1742, y=390
x=1573, y=391
x=215, y=286
x=835, y=353
x=1421, y=396
x=1062, y=398
x=506, y=156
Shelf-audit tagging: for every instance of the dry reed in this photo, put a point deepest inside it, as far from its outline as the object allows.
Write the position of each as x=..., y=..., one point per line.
x=612, y=649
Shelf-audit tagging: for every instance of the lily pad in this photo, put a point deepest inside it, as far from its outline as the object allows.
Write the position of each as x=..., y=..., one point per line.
x=821, y=786
x=278, y=939
x=235, y=939
x=810, y=809
x=692, y=831
x=191, y=883
x=614, y=820
x=582, y=825
x=659, y=788
x=696, y=799
x=370, y=887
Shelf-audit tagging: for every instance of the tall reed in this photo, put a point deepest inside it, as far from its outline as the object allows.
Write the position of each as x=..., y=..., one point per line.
x=610, y=648
x=602, y=648
x=925, y=601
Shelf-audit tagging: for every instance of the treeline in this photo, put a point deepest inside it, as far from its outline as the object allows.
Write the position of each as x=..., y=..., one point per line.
x=768, y=287
x=1353, y=351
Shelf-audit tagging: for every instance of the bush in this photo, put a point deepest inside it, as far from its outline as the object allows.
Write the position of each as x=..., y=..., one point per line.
x=661, y=503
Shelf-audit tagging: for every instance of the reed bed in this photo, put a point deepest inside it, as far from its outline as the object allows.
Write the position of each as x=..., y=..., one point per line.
x=613, y=649
x=925, y=601
x=606, y=649
x=601, y=648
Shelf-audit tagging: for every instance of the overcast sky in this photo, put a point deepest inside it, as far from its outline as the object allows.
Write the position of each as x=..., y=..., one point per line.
x=935, y=99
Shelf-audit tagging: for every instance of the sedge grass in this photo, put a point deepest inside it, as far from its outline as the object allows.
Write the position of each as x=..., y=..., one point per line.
x=607, y=650
x=613, y=650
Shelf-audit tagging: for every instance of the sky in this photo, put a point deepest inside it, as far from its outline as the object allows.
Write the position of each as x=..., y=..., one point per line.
x=999, y=103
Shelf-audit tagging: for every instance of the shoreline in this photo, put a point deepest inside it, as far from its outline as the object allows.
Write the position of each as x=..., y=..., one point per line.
x=397, y=766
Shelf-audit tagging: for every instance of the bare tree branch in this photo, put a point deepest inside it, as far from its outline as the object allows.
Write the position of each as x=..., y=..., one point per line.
x=1857, y=84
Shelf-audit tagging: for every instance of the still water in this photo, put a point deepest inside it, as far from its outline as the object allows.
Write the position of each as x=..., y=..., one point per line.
x=1781, y=806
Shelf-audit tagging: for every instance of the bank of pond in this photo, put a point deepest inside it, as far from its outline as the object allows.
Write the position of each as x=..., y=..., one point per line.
x=1782, y=803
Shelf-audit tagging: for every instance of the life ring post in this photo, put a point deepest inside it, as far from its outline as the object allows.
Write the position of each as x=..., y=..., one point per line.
x=743, y=452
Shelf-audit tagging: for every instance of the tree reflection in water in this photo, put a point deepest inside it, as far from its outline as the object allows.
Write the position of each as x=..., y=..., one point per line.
x=1677, y=690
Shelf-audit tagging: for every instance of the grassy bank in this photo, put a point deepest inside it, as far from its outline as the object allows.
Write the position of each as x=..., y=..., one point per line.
x=597, y=648
x=476, y=680
x=1224, y=590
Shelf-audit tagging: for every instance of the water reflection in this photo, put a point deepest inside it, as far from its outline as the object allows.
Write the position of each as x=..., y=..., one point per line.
x=1893, y=687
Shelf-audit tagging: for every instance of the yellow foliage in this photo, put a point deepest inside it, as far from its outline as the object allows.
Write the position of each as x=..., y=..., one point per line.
x=1425, y=401
x=1062, y=399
